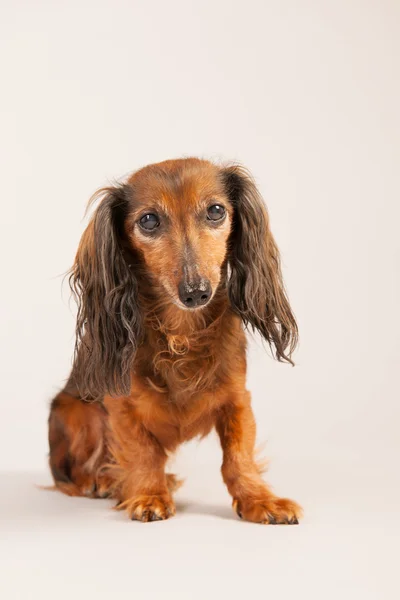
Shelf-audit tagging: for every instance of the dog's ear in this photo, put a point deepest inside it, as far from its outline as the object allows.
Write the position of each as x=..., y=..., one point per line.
x=109, y=324
x=255, y=284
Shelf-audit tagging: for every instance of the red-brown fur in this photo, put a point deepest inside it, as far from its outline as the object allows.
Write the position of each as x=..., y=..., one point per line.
x=150, y=374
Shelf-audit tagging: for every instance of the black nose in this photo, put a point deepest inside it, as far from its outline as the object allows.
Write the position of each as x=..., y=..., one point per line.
x=194, y=294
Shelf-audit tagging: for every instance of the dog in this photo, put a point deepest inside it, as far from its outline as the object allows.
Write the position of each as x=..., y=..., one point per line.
x=174, y=266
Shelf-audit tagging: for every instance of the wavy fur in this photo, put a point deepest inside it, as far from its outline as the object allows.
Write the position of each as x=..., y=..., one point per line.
x=162, y=369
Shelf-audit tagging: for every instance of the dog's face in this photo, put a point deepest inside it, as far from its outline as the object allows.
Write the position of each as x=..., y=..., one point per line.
x=180, y=220
x=186, y=221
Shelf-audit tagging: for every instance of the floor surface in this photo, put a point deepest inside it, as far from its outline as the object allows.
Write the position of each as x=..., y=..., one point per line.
x=53, y=546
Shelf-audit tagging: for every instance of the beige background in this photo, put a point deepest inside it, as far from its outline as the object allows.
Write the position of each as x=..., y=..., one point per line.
x=306, y=95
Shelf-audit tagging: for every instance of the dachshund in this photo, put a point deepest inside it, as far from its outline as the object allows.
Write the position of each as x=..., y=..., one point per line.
x=173, y=268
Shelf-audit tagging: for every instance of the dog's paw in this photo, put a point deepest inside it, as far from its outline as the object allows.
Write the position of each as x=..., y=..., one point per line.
x=148, y=508
x=268, y=511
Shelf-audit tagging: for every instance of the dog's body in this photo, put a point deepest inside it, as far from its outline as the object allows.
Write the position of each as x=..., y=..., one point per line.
x=171, y=266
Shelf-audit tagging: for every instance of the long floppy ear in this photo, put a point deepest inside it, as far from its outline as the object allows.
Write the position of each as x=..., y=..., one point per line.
x=255, y=286
x=109, y=324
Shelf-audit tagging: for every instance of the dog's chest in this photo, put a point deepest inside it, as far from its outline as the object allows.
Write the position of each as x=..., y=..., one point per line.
x=181, y=365
x=177, y=388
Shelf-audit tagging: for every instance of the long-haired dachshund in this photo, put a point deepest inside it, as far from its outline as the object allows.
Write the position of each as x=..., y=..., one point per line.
x=174, y=265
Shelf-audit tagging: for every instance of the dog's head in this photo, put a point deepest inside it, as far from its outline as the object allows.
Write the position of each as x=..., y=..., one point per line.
x=185, y=229
x=179, y=222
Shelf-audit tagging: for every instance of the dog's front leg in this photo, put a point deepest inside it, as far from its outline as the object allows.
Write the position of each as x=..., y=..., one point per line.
x=141, y=484
x=252, y=498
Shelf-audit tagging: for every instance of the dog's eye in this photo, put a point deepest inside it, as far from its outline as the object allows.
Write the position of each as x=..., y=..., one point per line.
x=216, y=212
x=149, y=222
